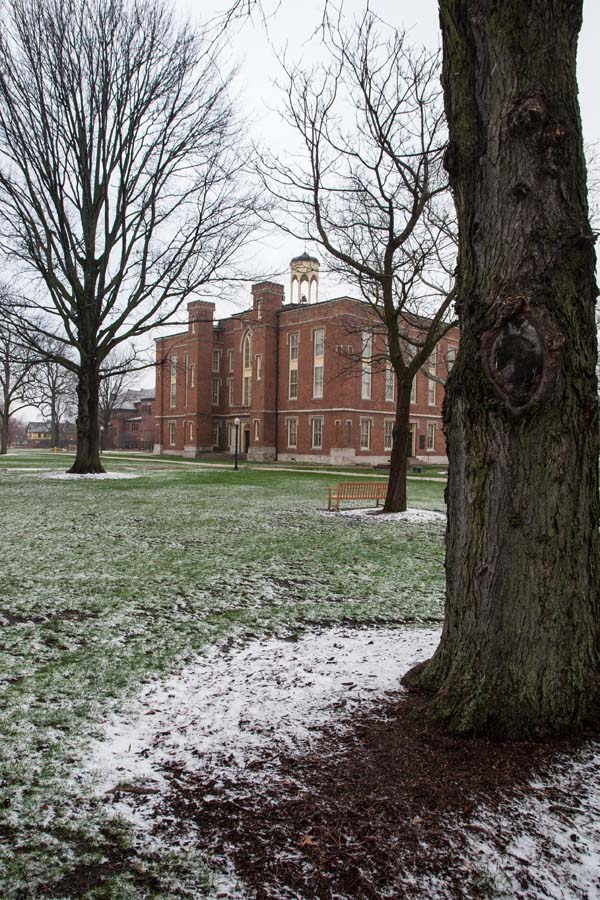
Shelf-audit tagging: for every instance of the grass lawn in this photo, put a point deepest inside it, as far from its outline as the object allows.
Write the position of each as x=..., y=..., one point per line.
x=109, y=583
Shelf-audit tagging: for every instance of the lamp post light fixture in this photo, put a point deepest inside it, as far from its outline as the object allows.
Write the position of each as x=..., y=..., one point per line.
x=236, y=422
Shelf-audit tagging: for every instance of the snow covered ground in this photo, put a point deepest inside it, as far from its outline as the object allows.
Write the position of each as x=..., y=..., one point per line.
x=228, y=710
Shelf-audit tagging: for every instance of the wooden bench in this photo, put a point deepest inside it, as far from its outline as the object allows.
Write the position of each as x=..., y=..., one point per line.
x=357, y=490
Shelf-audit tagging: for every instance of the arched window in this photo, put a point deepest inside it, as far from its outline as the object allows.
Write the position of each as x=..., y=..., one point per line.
x=248, y=351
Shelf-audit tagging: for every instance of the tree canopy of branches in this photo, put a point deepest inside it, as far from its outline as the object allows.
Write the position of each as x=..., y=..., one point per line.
x=520, y=649
x=54, y=390
x=119, y=173
x=370, y=189
x=17, y=371
x=116, y=378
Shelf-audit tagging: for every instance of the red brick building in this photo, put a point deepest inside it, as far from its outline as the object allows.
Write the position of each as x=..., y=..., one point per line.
x=308, y=381
x=132, y=422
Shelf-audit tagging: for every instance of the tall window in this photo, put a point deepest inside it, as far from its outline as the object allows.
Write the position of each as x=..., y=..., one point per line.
x=367, y=353
x=293, y=384
x=230, y=358
x=173, y=382
x=190, y=432
x=413, y=390
x=172, y=433
x=389, y=382
x=259, y=366
x=259, y=306
x=216, y=360
x=192, y=375
x=247, y=371
x=292, y=429
x=215, y=390
x=318, y=361
x=365, y=434
x=450, y=358
x=215, y=433
x=388, y=434
x=431, y=383
x=230, y=390
x=317, y=433
x=248, y=352
x=256, y=429
x=431, y=436
x=186, y=374
x=293, y=376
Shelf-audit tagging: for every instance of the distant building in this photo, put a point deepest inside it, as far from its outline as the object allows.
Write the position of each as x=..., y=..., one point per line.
x=308, y=381
x=39, y=435
x=132, y=422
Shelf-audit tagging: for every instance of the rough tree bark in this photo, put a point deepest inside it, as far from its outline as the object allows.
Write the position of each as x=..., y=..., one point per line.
x=395, y=500
x=87, y=457
x=519, y=654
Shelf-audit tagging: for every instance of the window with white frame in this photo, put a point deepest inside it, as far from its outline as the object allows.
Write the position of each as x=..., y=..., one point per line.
x=431, y=435
x=230, y=390
x=186, y=374
x=413, y=390
x=216, y=360
x=450, y=358
x=367, y=354
x=365, y=434
x=190, y=432
x=319, y=353
x=293, y=393
x=293, y=376
x=389, y=382
x=256, y=429
x=247, y=391
x=215, y=390
x=388, y=434
x=230, y=358
x=317, y=432
x=432, y=366
x=247, y=371
x=292, y=432
x=259, y=366
x=216, y=433
x=173, y=382
x=319, y=342
x=192, y=375
x=318, y=382
x=172, y=433
x=259, y=308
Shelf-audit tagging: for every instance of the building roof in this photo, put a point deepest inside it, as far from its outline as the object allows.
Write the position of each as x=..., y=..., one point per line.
x=38, y=426
x=305, y=257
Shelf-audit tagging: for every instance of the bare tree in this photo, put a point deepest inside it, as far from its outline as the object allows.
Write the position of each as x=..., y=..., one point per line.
x=370, y=189
x=54, y=390
x=17, y=375
x=119, y=173
x=114, y=384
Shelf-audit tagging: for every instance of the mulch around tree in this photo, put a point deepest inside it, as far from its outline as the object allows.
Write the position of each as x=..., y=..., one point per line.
x=380, y=809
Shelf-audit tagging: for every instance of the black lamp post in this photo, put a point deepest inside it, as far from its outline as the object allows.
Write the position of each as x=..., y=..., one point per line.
x=236, y=422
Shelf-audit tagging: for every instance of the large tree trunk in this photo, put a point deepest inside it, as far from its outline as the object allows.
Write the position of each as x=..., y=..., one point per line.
x=4, y=428
x=87, y=458
x=519, y=654
x=395, y=500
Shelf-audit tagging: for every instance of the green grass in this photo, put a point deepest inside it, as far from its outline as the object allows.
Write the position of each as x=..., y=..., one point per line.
x=109, y=583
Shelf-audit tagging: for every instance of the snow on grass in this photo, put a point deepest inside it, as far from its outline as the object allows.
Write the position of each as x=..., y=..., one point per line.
x=240, y=710
x=91, y=476
x=409, y=516
x=228, y=709
x=111, y=584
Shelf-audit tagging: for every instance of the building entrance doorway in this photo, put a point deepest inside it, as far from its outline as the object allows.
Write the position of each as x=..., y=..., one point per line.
x=246, y=439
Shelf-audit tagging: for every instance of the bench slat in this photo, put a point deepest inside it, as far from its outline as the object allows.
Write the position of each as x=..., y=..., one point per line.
x=357, y=490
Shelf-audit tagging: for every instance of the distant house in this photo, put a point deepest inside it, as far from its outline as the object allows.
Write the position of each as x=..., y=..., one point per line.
x=132, y=422
x=38, y=434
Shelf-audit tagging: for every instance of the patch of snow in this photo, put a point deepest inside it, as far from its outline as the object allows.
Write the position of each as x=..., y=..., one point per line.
x=227, y=710
x=411, y=516
x=97, y=476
